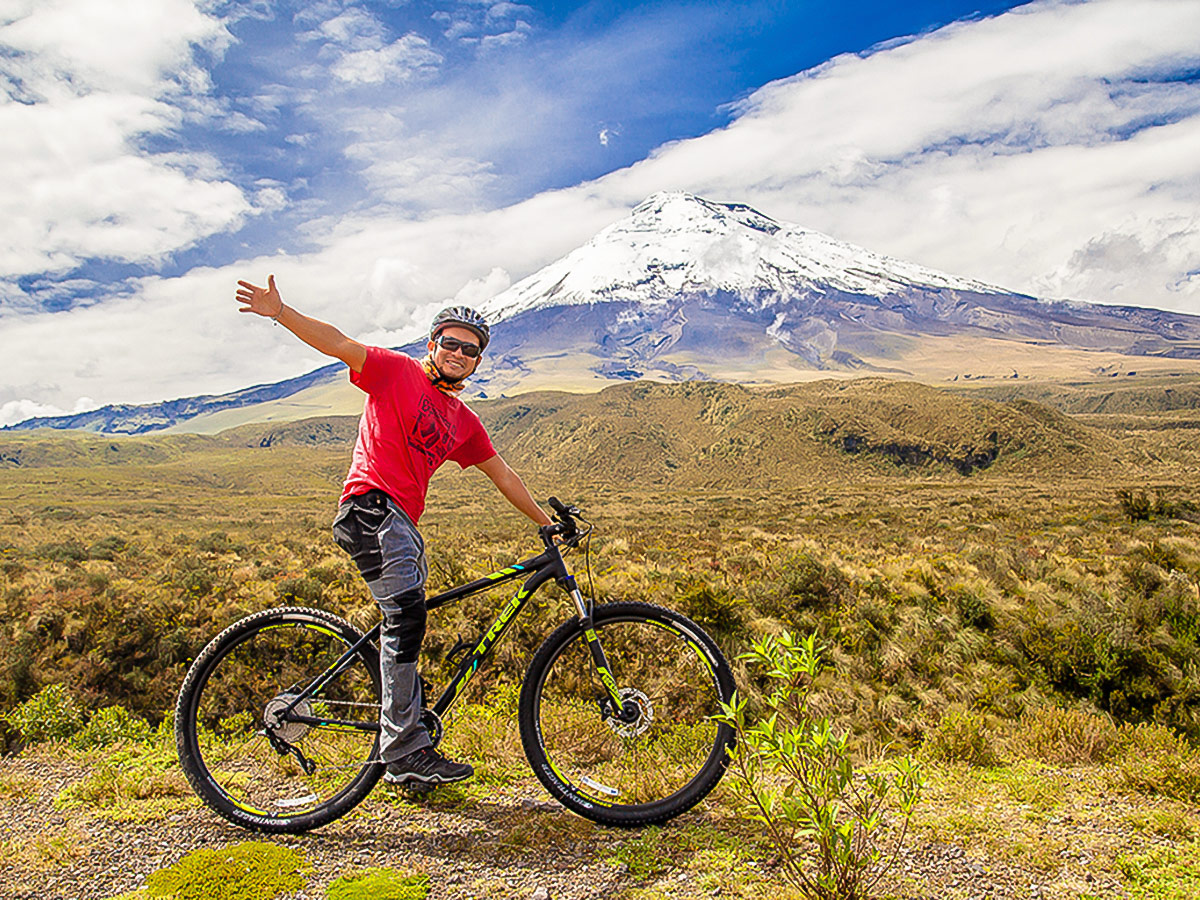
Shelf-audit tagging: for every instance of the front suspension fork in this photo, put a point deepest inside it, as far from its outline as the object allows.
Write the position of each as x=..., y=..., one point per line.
x=618, y=707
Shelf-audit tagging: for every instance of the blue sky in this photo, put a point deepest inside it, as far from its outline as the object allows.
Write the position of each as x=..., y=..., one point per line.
x=385, y=157
x=563, y=93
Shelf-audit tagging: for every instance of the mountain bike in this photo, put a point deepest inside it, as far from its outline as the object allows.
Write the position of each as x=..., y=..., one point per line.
x=277, y=721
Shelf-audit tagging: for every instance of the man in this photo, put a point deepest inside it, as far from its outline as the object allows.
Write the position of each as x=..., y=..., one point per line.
x=411, y=424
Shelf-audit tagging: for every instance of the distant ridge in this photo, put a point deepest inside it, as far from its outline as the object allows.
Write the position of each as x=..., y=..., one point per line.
x=692, y=435
x=685, y=289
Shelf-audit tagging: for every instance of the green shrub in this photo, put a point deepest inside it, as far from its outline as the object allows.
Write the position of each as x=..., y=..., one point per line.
x=1136, y=505
x=111, y=725
x=300, y=590
x=794, y=775
x=50, y=714
x=1163, y=873
x=193, y=576
x=1155, y=759
x=218, y=542
x=962, y=735
x=106, y=548
x=252, y=870
x=712, y=607
x=808, y=582
x=379, y=884
x=328, y=573
x=973, y=610
x=1064, y=736
x=66, y=551
x=11, y=567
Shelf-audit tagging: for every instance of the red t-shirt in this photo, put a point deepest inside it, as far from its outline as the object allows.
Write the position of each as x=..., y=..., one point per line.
x=408, y=429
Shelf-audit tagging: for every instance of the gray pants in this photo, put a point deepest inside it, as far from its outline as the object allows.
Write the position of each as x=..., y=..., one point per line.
x=390, y=554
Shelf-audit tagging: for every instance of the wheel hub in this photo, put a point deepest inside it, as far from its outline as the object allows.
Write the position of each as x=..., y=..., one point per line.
x=635, y=700
x=286, y=731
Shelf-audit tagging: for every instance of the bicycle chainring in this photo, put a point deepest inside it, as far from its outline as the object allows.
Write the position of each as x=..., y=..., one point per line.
x=433, y=724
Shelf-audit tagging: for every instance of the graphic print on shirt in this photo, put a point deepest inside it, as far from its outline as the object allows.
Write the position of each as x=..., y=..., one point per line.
x=432, y=434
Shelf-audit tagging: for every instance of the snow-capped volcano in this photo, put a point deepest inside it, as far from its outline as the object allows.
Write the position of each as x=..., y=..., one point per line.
x=685, y=289
x=675, y=243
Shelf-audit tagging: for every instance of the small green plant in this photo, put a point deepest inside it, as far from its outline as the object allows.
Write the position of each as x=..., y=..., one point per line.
x=111, y=725
x=962, y=735
x=1163, y=873
x=1064, y=736
x=137, y=782
x=252, y=870
x=379, y=884
x=643, y=855
x=1154, y=759
x=795, y=776
x=300, y=590
x=49, y=715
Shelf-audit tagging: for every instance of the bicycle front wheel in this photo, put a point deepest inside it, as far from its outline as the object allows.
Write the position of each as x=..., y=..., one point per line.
x=638, y=772
x=253, y=752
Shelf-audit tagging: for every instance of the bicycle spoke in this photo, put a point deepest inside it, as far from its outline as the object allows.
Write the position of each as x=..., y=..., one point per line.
x=259, y=759
x=657, y=755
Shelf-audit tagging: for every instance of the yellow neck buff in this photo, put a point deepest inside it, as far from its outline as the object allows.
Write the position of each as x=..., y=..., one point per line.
x=439, y=381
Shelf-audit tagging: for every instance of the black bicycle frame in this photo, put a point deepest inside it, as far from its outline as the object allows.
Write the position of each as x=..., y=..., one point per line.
x=544, y=567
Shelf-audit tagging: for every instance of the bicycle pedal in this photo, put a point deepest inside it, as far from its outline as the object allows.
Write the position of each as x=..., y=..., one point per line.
x=419, y=788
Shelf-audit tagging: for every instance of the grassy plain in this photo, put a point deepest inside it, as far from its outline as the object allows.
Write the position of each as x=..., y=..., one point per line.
x=1013, y=626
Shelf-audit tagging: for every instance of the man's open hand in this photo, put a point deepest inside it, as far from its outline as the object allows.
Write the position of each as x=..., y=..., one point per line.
x=264, y=301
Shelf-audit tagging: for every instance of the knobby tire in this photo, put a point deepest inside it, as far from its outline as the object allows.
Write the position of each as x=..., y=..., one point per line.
x=637, y=773
x=243, y=673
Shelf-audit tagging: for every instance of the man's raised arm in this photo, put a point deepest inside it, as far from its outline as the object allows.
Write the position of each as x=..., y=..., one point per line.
x=321, y=335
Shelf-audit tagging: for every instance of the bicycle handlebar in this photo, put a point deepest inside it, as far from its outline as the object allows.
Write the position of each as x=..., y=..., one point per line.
x=566, y=525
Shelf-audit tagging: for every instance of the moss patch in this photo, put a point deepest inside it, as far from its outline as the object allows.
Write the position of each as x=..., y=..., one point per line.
x=379, y=884
x=1163, y=873
x=252, y=870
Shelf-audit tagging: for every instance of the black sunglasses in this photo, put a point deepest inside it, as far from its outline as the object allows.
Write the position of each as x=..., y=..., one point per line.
x=451, y=345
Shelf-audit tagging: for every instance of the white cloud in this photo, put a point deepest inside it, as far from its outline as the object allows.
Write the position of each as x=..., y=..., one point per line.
x=353, y=29
x=15, y=411
x=362, y=51
x=515, y=35
x=477, y=290
x=397, y=61
x=997, y=149
x=500, y=11
x=87, y=81
x=1016, y=150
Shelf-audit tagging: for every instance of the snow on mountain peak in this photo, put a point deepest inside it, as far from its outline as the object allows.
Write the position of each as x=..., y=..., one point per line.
x=676, y=243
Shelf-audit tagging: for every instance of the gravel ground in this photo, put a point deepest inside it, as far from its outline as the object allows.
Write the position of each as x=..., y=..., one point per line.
x=515, y=843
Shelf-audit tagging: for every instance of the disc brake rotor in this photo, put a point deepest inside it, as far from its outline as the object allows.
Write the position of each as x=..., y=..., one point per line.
x=638, y=725
x=286, y=731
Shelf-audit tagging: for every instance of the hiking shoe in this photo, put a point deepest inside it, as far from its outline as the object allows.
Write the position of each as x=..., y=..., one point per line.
x=426, y=766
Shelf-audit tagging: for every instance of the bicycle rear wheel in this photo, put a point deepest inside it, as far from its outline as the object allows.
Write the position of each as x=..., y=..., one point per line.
x=252, y=763
x=632, y=773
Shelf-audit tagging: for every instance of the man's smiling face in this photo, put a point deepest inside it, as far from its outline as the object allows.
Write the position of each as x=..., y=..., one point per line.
x=455, y=365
